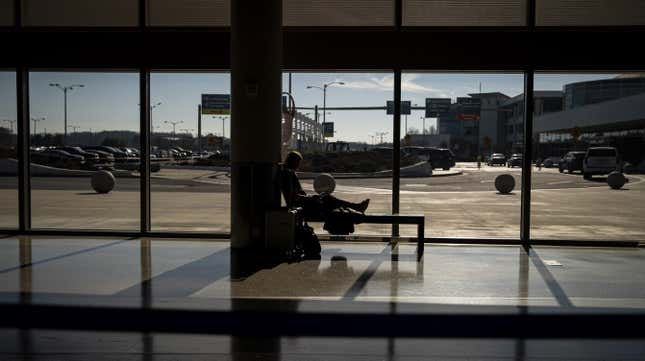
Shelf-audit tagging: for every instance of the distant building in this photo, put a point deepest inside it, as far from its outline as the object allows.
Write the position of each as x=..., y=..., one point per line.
x=544, y=101
x=598, y=91
x=474, y=124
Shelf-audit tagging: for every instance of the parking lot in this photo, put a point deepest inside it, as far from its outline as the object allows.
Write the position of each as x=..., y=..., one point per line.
x=461, y=205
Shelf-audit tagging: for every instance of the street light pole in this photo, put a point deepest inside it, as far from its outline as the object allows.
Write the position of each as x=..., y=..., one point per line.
x=324, y=89
x=152, y=127
x=11, y=123
x=424, y=131
x=65, y=89
x=174, y=125
x=75, y=129
x=36, y=121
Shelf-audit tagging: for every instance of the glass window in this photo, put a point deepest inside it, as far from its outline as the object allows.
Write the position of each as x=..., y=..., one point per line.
x=6, y=12
x=458, y=122
x=356, y=148
x=190, y=180
x=189, y=12
x=8, y=154
x=338, y=12
x=571, y=199
x=84, y=122
x=80, y=12
x=464, y=12
x=589, y=12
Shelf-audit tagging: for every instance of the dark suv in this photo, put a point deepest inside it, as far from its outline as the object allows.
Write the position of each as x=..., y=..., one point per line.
x=441, y=158
x=497, y=158
x=571, y=162
x=514, y=161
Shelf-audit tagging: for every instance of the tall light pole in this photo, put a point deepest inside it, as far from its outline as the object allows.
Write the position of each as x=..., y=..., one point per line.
x=65, y=89
x=174, y=124
x=381, y=134
x=75, y=129
x=36, y=121
x=11, y=123
x=324, y=89
x=152, y=106
x=424, y=131
x=223, y=118
x=152, y=127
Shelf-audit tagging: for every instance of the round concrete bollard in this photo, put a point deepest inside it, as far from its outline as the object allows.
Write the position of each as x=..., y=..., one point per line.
x=505, y=183
x=616, y=180
x=324, y=183
x=103, y=181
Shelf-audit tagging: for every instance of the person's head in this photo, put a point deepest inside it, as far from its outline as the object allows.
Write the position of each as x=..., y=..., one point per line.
x=292, y=160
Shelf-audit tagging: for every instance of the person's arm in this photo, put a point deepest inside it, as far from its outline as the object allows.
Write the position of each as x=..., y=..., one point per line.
x=291, y=188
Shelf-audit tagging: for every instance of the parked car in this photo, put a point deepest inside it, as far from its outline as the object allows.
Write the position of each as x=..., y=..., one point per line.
x=571, y=162
x=91, y=159
x=130, y=152
x=551, y=162
x=104, y=157
x=600, y=160
x=116, y=153
x=514, y=161
x=497, y=158
x=58, y=158
x=183, y=153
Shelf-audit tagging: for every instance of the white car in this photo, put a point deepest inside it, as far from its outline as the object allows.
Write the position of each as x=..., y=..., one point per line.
x=600, y=160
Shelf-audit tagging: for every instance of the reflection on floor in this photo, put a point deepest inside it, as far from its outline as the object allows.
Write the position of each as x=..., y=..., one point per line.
x=196, y=275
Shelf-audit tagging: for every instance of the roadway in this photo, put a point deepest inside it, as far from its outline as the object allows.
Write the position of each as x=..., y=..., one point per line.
x=471, y=179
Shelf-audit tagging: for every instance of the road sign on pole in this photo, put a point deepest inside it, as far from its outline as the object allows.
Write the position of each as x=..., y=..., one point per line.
x=329, y=130
x=216, y=104
x=406, y=107
x=437, y=107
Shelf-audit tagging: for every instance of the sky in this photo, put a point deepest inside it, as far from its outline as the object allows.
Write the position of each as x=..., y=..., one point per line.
x=109, y=100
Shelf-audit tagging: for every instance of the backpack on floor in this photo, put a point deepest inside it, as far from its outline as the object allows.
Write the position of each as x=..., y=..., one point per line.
x=307, y=241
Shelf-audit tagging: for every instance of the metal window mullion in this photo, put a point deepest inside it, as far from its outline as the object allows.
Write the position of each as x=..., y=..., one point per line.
x=396, y=148
x=530, y=14
x=527, y=160
x=17, y=14
x=143, y=13
x=144, y=145
x=525, y=223
x=398, y=14
x=22, y=149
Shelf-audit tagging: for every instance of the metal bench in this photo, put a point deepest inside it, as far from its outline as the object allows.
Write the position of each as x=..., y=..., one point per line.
x=397, y=218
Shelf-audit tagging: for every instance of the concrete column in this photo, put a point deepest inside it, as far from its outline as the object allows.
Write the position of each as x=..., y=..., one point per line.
x=256, y=89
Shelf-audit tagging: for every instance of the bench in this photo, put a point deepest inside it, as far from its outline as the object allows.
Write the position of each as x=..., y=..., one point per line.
x=397, y=218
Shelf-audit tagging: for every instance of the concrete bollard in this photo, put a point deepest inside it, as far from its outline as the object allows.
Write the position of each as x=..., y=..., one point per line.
x=103, y=181
x=504, y=183
x=616, y=180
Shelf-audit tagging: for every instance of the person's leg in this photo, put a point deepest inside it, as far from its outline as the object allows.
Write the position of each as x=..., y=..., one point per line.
x=332, y=202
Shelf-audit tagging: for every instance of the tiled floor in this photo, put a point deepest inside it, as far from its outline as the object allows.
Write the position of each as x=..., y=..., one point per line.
x=193, y=274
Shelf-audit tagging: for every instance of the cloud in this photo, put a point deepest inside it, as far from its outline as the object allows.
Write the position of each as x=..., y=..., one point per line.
x=386, y=83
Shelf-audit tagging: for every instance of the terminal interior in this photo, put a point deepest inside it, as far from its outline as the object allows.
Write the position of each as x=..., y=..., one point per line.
x=143, y=213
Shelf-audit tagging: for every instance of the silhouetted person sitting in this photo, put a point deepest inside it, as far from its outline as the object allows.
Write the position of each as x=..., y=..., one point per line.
x=312, y=205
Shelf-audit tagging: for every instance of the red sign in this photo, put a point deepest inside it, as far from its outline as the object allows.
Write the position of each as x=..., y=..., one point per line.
x=462, y=116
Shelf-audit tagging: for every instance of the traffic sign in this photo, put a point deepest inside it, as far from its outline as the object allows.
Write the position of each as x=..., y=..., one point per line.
x=216, y=104
x=406, y=106
x=328, y=129
x=437, y=107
